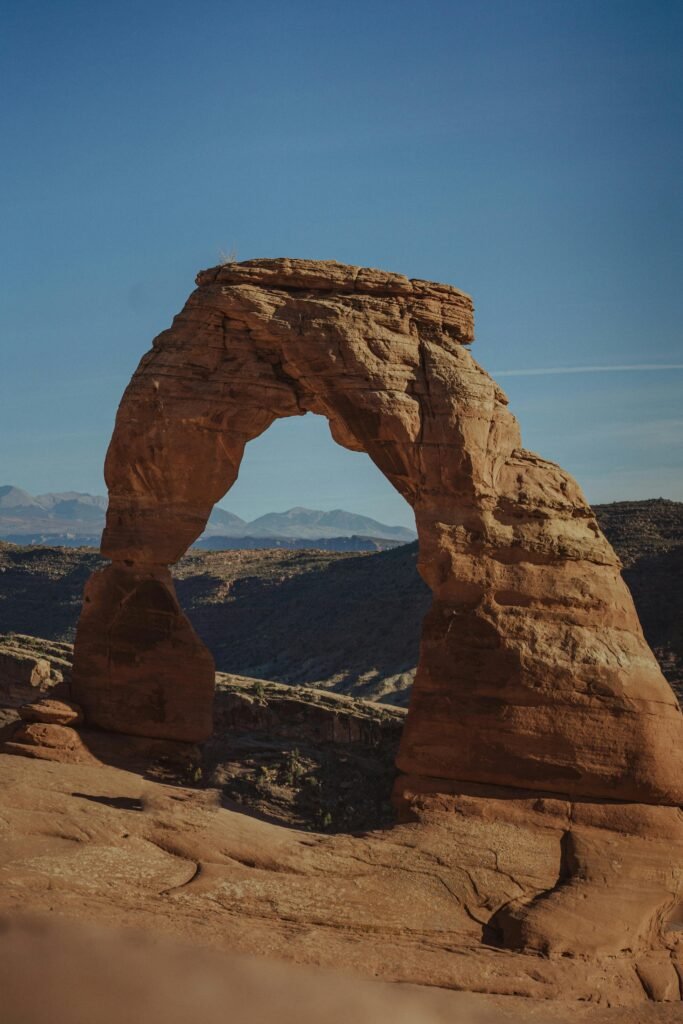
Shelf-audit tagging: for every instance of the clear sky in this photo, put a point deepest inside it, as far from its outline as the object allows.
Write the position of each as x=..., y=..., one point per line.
x=527, y=151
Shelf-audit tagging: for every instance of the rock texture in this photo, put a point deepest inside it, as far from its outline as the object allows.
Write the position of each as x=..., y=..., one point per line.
x=406, y=905
x=146, y=671
x=534, y=671
x=537, y=704
x=52, y=711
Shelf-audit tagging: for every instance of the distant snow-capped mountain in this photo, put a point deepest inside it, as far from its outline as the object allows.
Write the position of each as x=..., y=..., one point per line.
x=308, y=522
x=72, y=518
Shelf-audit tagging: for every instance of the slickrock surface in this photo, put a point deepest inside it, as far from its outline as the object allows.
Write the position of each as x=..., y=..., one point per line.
x=407, y=904
x=65, y=973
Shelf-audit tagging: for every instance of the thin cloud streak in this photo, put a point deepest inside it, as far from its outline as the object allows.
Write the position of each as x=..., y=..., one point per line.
x=545, y=371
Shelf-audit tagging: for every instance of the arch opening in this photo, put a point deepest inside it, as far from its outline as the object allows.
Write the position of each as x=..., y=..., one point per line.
x=336, y=603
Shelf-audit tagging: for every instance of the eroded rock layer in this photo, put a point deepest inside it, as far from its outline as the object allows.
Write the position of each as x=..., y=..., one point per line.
x=423, y=903
x=533, y=672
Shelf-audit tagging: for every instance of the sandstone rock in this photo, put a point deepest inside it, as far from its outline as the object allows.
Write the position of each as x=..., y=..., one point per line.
x=30, y=667
x=72, y=973
x=22, y=675
x=534, y=674
x=415, y=904
x=49, y=742
x=660, y=979
x=534, y=671
x=150, y=643
x=55, y=712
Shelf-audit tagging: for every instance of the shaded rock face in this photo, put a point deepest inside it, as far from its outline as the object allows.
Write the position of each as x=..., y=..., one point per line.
x=533, y=670
x=648, y=535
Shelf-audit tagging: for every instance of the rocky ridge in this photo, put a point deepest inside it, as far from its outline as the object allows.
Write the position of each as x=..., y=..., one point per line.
x=648, y=537
x=300, y=756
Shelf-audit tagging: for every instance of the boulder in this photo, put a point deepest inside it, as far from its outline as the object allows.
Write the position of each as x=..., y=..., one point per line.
x=52, y=712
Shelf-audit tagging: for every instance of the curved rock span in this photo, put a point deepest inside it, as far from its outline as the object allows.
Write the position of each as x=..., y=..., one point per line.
x=534, y=678
x=534, y=671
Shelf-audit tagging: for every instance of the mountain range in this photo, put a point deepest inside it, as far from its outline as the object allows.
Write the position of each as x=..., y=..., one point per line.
x=72, y=519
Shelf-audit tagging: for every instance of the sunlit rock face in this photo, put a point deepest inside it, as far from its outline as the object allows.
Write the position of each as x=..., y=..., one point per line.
x=533, y=670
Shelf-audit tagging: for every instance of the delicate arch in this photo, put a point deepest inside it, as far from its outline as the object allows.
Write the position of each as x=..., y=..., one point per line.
x=533, y=670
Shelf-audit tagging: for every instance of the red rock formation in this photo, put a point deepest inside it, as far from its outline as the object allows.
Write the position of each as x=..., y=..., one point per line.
x=408, y=904
x=535, y=684
x=533, y=672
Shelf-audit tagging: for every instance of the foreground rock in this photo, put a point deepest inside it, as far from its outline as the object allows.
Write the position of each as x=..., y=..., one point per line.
x=64, y=973
x=324, y=762
x=52, y=712
x=71, y=973
x=408, y=904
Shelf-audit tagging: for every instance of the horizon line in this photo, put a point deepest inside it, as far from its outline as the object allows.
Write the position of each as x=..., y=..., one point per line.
x=539, y=371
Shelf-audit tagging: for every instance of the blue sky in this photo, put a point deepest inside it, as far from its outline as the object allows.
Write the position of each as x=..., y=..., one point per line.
x=527, y=151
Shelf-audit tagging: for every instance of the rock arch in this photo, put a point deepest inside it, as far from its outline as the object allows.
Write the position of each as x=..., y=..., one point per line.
x=533, y=673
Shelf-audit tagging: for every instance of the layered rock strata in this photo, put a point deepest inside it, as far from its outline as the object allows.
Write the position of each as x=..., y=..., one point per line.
x=534, y=679
x=421, y=903
x=27, y=672
x=533, y=671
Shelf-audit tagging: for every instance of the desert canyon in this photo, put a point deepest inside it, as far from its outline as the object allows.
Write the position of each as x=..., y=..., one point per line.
x=535, y=856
